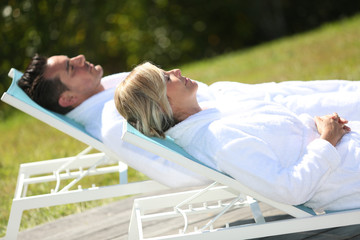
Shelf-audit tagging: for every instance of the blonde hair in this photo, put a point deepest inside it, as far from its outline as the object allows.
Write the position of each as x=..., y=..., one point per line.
x=141, y=99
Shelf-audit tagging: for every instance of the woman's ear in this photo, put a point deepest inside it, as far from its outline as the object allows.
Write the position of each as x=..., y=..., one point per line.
x=67, y=99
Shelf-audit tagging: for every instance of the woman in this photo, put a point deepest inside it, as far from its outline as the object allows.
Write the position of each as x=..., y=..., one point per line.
x=287, y=157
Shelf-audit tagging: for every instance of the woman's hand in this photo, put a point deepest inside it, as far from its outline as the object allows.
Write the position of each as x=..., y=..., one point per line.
x=331, y=128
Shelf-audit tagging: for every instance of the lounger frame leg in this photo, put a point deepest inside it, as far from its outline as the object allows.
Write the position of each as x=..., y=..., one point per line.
x=33, y=173
x=256, y=211
x=14, y=221
x=135, y=226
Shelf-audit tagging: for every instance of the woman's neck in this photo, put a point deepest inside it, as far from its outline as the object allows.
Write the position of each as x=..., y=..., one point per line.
x=181, y=115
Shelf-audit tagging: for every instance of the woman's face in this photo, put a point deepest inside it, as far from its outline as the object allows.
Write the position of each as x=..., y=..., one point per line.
x=179, y=89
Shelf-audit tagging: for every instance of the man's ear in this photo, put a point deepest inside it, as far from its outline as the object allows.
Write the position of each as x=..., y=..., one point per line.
x=67, y=99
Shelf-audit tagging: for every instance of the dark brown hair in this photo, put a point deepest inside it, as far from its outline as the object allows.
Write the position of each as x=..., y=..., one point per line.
x=45, y=92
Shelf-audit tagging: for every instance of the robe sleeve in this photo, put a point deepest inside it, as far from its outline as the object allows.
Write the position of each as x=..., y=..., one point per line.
x=251, y=161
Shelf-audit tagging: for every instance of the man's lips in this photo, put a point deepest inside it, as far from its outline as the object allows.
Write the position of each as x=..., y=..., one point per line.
x=186, y=80
x=89, y=66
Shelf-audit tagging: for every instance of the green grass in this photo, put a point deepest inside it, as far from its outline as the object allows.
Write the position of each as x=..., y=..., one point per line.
x=330, y=52
x=19, y=143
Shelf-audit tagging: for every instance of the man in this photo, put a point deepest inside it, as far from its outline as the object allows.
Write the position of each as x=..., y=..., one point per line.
x=75, y=87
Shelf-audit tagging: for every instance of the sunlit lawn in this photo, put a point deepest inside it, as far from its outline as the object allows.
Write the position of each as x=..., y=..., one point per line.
x=330, y=52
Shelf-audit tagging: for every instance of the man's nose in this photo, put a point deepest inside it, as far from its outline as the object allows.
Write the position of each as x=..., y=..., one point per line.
x=78, y=60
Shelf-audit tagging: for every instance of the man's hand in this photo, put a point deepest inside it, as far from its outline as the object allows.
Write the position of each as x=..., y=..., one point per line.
x=332, y=128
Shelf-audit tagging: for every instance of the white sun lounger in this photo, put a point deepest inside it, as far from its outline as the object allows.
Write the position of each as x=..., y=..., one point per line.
x=305, y=219
x=75, y=168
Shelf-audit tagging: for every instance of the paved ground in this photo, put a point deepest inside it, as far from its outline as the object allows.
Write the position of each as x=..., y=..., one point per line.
x=112, y=222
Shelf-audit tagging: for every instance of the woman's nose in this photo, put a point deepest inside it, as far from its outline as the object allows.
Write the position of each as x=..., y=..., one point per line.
x=177, y=72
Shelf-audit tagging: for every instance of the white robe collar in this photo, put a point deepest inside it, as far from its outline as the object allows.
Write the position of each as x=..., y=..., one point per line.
x=192, y=124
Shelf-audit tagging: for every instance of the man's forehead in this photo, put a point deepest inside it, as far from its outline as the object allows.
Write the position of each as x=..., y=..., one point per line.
x=55, y=64
x=57, y=59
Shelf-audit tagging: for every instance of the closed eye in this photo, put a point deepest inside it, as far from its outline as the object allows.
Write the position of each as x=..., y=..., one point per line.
x=69, y=67
x=72, y=68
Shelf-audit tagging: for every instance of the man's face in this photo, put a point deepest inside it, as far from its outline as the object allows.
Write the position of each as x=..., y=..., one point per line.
x=82, y=78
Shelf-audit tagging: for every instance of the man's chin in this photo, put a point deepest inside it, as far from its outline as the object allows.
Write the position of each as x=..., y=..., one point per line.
x=99, y=69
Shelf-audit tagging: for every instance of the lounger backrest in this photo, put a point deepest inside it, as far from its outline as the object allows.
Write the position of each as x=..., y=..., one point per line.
x=167, y=143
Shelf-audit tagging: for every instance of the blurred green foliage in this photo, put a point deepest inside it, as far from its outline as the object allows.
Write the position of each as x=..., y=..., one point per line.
x=121, y=34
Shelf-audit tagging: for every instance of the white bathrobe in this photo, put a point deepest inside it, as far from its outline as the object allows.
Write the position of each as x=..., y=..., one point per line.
x=101, y=119
x=315, y=98
x=276, y=151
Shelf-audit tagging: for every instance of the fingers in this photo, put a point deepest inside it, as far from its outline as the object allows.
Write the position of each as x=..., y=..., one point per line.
x=336, y=117
x=347, y=129
x=341, y=120
x=333, y=119
x=331, y=127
